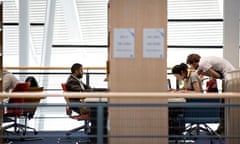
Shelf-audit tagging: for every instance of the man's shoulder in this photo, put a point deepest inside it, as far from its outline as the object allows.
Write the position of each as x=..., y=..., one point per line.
x=71, y=80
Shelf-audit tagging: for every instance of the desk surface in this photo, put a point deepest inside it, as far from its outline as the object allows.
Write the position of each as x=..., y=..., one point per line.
x=176, y=100
x=172, y=100
x=89, y=100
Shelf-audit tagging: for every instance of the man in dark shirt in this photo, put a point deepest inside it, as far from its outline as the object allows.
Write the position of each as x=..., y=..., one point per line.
x=75, y=84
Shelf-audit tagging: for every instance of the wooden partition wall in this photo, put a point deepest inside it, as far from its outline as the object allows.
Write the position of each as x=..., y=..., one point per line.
x=1, y=47
x=137, y=63
x=232, y=114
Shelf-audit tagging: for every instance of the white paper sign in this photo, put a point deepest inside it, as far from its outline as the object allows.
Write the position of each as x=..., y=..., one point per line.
x=123, y=43
x=153, y=43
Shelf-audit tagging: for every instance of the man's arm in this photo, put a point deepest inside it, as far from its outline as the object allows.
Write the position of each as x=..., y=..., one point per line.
x=212, y=73
x=196, y=87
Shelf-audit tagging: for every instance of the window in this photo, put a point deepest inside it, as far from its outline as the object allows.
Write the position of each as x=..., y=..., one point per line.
x=194, y=27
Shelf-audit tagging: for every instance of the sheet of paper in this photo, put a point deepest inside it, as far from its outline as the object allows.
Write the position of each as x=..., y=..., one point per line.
x=153, y=43
x=123, y=43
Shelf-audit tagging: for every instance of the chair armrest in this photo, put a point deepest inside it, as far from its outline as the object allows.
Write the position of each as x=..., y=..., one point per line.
x=81, y=117
x=68, y=111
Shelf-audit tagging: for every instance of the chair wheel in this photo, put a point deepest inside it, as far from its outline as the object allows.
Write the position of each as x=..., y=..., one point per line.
x=35, y=132
x=68, y=133
x=18, y=131
x=24, y=133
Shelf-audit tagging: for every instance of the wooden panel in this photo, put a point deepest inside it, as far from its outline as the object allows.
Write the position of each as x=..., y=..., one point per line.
x=138, y=121
x=1, y=47
x=137, y=74
x=232, y=114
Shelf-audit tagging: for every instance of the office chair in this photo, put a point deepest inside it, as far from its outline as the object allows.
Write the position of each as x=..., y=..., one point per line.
x=80, y=117
x=13, y=113
x=202, y=112
x=28, y=112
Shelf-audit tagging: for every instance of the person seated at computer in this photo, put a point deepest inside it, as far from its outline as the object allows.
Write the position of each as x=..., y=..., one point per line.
x=75, y=84
x=9, y=81
x=192, y=82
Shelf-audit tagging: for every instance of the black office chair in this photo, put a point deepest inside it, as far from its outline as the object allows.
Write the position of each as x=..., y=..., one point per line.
x=198, y=113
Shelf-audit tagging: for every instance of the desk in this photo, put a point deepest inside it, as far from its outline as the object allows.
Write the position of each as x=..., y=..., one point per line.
x=175, y=124
x=173, y=113
x=94, y=117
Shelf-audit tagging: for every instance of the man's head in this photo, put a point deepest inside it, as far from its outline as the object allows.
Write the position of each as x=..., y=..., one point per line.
x=77, y=70
x=193, y=60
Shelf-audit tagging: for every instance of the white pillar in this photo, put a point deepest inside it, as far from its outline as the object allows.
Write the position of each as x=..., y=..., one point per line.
x=24, y=31
x=231, y=31
x=72, y=21
x=48, y=33
x=48, y=37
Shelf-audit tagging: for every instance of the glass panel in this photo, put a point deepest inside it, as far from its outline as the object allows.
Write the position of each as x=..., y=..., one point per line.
x=87, y=56
x=195, y=9
x=195, y=33
x=179, y=55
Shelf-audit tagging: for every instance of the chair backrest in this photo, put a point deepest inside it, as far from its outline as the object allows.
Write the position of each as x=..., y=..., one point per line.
x=202, y=110
x=20, y=87
x=32, y=100
x=35, y=89
x=68, y=110
x=64, y=87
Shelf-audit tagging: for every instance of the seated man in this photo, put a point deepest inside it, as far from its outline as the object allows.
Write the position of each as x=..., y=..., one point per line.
x=75, y=84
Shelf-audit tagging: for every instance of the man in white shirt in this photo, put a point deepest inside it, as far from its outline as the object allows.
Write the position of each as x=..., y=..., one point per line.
x=214, y=67
x=211, y=66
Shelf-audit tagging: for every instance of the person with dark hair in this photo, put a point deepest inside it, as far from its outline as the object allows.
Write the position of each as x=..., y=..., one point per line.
x=32, y=80
x=192, y=82
x=75, y=84
x=211, y=66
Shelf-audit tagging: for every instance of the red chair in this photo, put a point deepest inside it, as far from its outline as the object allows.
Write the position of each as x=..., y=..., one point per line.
x=78, y=117
x=14, y=112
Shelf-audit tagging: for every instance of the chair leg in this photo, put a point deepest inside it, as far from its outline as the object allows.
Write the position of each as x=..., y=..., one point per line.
x=85, y=127
x=20, y=127
x=68, y=139
x=75, y=129
x=27, y=127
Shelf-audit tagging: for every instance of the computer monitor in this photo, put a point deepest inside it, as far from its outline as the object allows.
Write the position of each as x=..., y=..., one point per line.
x=169, y=86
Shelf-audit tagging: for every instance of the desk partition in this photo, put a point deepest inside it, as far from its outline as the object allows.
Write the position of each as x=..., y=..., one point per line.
x=137, y=63
x=232, y=114
x=139, y=117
